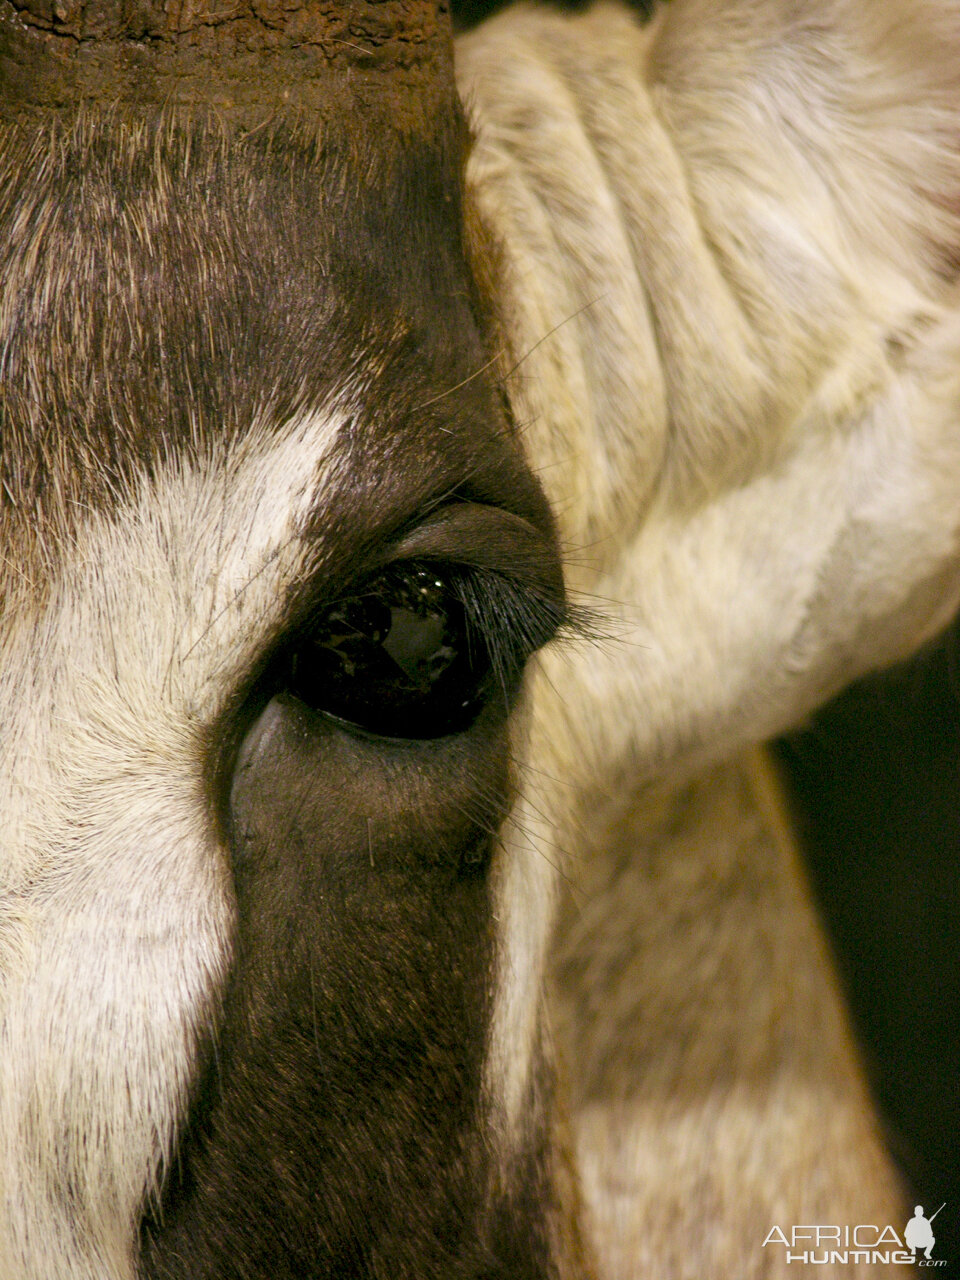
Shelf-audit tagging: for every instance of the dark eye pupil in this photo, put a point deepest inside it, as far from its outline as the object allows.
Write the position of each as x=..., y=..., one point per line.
x=398, y=658
x=417, y=645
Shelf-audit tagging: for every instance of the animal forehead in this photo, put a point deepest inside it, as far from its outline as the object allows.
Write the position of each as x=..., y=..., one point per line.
x=168, y=283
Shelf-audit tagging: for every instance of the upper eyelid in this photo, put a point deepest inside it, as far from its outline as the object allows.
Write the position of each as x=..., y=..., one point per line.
x=530, y=610
x=486, y=538
x=520, y=605
x=465, y=534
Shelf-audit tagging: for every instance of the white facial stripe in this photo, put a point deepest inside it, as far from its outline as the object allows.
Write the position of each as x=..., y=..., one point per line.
x=116, y=910
x=524, y=895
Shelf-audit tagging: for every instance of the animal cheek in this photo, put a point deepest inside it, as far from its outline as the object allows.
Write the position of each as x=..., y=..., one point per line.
x=349, y=1055
x=312, y=802
x=360, y=867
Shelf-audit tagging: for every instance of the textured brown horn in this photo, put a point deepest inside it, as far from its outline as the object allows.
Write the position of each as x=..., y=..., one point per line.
x=229, y=54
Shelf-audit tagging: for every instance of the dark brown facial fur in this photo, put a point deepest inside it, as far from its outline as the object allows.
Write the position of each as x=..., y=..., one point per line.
x=170, y=280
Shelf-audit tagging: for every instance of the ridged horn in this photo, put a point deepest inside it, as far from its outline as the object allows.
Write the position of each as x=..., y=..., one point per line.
x=233, y=55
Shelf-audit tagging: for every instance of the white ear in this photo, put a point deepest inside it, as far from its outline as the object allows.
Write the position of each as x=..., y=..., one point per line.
x=820, y=148
x=726, y=289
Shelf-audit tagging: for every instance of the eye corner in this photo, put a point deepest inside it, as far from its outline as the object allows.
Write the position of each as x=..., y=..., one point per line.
x=515, y=617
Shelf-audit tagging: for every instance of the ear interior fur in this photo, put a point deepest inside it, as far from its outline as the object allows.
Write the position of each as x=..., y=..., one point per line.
x=721, y=257
x=730, y=333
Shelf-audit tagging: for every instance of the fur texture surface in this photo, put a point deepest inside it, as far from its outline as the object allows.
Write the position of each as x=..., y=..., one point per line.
x=725, y=290
x=196, y=462
x=546, y=997
x=114, y=879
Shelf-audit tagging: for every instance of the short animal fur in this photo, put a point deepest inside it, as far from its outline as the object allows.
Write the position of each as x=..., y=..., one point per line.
x=543, y=996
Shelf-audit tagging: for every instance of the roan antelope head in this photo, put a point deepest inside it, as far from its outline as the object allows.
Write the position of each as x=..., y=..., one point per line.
x=284, y=334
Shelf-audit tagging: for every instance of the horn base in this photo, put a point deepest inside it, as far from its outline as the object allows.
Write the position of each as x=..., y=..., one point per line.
x=239, y=56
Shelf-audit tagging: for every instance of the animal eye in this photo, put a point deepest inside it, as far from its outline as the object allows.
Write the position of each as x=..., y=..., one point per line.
x=399, y=658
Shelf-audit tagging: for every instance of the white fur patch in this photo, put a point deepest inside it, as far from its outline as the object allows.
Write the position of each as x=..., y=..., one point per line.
x=117, y=914
x=524, y=898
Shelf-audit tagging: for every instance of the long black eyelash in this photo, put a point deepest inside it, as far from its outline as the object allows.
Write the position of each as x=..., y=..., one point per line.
x=509, y=619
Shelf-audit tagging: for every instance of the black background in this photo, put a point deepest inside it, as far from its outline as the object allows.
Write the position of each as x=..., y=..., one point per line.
x=875, y=779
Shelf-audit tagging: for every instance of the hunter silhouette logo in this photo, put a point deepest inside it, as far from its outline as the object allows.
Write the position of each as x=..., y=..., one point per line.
x=918, y=1233
x=825, y=1244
